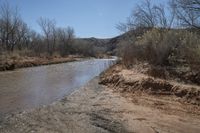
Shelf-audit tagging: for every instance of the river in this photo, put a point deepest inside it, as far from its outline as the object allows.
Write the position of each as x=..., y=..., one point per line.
x=32, y=87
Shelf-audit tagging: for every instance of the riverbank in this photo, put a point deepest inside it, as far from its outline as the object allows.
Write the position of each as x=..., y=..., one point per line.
x=12, y=63
x=135, y=81
x=98, y=108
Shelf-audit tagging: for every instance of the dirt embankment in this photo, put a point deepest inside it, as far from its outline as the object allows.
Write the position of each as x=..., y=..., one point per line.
x=135, y=82
x=21, y=62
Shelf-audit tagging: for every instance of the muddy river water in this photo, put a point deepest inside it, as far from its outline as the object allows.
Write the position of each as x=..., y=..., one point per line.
x=32, y=87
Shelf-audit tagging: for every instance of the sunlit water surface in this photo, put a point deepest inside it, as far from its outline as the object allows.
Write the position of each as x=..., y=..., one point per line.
x=32, y=87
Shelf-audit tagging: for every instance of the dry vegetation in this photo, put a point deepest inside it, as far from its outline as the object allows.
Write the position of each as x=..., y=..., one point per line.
x=136, y=81
x=159, y=56
x=166, y=42
x=19, y=42
x=158, y=75
x=15, y=35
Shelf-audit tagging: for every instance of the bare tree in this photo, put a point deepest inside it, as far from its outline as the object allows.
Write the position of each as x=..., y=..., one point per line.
x=161, y=16
x=188, y=12
x=65, y=39
x=36, y=43
x=122, y=27
x=48, y=28
x=9, y=25
x=22, y=35
x=15, y=34
x=172, y=12
x=144, y=15
x=147, y=15
x=70, y=33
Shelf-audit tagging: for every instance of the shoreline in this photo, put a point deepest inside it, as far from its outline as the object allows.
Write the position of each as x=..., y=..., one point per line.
x=98, y=108
x=133, y=81
x=37, y=61
x=27, y=62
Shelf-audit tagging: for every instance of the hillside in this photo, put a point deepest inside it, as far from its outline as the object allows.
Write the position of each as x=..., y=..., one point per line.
x=110, y=44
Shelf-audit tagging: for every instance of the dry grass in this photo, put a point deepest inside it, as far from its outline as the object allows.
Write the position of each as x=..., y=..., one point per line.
x=158, y=46
x=18, y=60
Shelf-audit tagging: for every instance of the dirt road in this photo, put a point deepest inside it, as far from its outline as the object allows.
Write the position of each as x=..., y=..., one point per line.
x=96, y=108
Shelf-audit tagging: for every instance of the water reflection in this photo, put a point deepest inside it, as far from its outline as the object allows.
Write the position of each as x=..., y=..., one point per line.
x=31, y=87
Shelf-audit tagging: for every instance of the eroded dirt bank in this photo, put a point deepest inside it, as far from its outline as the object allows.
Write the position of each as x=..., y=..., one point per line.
x=21, y=62
x=134, y=81
x=97, y=108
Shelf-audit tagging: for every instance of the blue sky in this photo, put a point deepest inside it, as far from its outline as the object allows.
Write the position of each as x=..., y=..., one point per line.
x=89, y=18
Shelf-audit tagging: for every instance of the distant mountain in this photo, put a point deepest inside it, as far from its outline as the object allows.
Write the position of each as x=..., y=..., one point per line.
x=110, y=44
x=95, y=41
